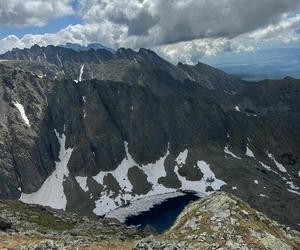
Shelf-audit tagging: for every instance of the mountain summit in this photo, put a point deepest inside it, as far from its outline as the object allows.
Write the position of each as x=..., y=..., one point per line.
x=94, y=46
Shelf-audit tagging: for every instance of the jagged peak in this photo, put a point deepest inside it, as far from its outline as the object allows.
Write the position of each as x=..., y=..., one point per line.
x=289, y=78
x=126, y=53
x=91, y=46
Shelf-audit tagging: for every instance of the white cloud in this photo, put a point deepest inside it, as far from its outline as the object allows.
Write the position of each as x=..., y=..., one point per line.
x=105, y=24
x=22, y=13
x=192, y=51
x=285, y=31
x=157, y=22
x=81, y=34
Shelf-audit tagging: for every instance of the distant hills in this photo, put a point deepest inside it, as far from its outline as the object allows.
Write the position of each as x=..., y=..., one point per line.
x=78, y=47
x=261, y=64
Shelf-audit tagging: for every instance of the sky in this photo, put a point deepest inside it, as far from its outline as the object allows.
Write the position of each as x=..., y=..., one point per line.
x=179, y=30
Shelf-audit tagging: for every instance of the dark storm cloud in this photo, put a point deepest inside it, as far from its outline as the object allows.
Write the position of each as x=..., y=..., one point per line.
x=171, y=21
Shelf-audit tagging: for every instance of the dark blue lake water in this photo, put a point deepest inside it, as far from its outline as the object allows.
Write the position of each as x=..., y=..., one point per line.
x=162, y=216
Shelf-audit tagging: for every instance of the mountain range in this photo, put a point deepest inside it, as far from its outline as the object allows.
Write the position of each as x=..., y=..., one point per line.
x=79, y=47
x=89, y=131
x=272, y=63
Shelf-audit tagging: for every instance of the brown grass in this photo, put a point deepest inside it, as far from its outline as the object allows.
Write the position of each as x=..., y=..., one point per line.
x=12, y=242
x=16, y=241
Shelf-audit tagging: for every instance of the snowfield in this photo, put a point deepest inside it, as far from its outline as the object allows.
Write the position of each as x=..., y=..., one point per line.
x=21, y=109
x=228, y=152
x=51, y=192
x=154, y=171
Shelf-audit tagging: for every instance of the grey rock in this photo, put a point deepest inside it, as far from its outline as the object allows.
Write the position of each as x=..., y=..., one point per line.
x=5, y=225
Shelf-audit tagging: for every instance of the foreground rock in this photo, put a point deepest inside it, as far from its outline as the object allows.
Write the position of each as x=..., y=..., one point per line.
x=222, y=221
x=30, y=227
x=151, y=243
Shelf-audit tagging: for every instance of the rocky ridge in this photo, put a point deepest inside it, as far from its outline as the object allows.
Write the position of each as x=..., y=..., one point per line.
x=219, y=221
x=24, y=226
x=224, y=221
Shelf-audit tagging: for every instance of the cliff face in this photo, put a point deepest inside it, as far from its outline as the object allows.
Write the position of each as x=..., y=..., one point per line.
x=89, y=131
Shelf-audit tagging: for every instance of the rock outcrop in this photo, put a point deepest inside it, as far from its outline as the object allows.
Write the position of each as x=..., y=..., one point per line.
x=36, y=227
x=222, y=221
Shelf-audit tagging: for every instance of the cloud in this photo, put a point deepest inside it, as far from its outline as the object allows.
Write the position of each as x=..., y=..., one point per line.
x=285, y=31
x=191, y=52
x=200, y=27
x=157, y=22
x=80, y=34
x=21, y=13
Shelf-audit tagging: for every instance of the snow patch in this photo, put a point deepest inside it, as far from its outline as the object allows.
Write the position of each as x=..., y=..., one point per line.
x=279, y=166
x=227, y=151
x=208, y=179
x=154, y=171
x=289, y=182
x=264, y=196
x=81, y=72
x=82, y=181
x=256, y=182
x=51, y=192
x=59, y=60
x=292, y=185
x=293, y=191
x=237, y=108
x=121, y=173
x=84, y=111
x=181, y=158
x=189, y=77
x=21, y=109
x=41, y=76
x=209, y=176
x=266, y=167
x=230, y=92
x=110, y=200
x=249, y=152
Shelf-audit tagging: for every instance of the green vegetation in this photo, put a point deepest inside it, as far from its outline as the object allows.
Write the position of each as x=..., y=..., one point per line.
x=40, y=217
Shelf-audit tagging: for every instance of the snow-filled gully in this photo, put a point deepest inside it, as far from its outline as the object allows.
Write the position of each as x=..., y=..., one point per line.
x=51, y=192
